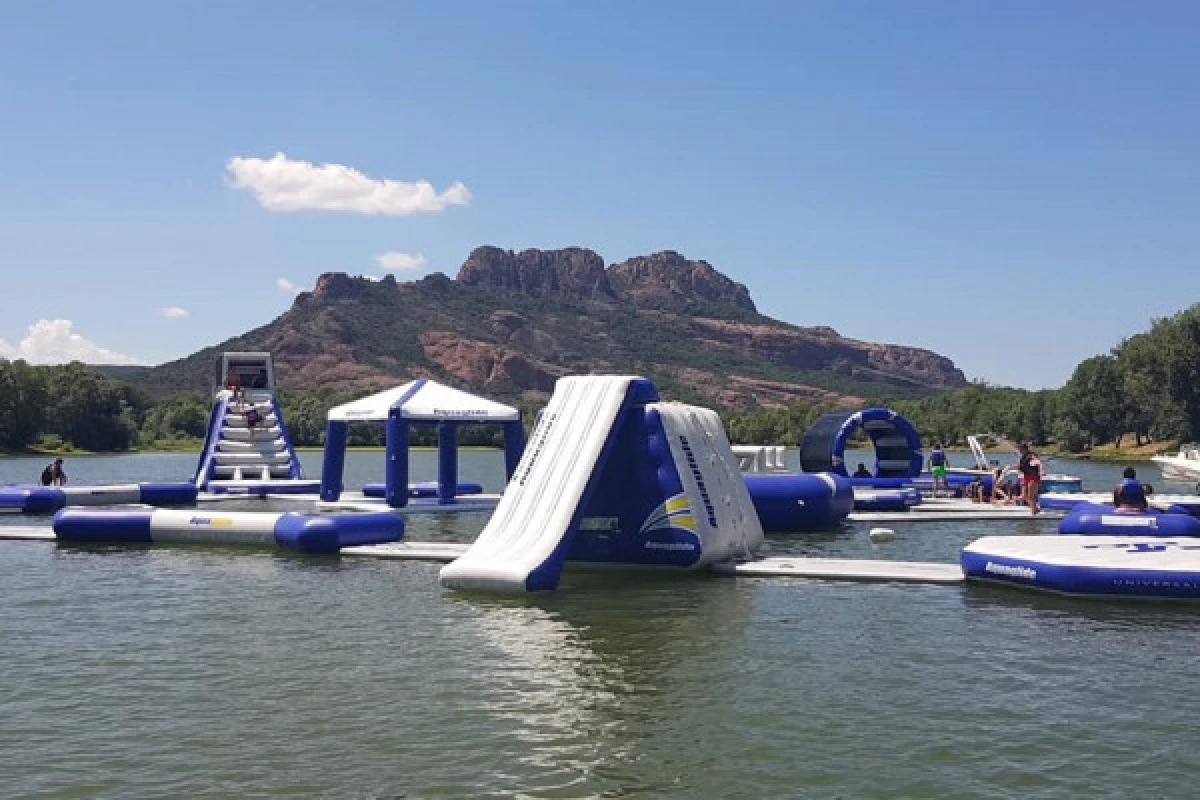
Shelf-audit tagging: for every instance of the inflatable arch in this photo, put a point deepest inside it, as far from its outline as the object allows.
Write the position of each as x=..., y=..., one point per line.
x=897, y=443
x=421, y=402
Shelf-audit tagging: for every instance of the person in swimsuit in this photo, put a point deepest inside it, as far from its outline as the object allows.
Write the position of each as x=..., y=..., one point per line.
x=937, y=466
x=1130, y=494
x=1030, y=467
x=53, y=474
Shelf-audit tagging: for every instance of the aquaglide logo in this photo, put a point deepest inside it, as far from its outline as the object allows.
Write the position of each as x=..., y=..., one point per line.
x=1011, y=570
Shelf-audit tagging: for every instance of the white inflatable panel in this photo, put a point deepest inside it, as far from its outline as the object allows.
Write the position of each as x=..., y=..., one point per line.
x=410, y=551
x=536, y=510
x=13, y=532
x=737, y=531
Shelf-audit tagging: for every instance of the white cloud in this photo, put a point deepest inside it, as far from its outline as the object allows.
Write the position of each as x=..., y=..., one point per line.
x=285, y=185
x=287, y=287
x=173, y=312
x=394, y=261
x=53, y=342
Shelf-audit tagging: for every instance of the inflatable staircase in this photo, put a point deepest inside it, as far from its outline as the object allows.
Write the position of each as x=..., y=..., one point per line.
x=611, y=476
x=241, y=458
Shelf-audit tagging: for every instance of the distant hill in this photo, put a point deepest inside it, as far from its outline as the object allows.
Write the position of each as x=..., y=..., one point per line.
x=511, y=323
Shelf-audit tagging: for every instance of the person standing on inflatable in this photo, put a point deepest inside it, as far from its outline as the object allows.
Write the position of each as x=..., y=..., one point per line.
x=1030, y=467
x=937, y=465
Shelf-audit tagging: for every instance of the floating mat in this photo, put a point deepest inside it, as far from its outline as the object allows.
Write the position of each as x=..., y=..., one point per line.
x=1121, y=566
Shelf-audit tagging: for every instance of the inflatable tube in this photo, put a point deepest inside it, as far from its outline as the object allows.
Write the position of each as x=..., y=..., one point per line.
x=1089, y=519
x=885, y=499
x=423, y=489
x=1176, y=503
x=881, y=483
x=299, y=532
x=1114, y=566
x=792, y=503
x=48, y=499
x=897, y=444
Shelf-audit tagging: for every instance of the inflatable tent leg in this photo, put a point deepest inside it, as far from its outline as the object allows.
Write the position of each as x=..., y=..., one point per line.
x=447, y=462
x=396, y=478
x=334, y=461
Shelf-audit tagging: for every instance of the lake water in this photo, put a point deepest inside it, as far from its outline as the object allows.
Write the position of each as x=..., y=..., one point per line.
x=220, y=672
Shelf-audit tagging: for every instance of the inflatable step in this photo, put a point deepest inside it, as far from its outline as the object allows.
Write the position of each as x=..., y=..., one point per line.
x=259, y=434
x=252, y=458
x=275, y=445
x=247, y=472
x=237, y=421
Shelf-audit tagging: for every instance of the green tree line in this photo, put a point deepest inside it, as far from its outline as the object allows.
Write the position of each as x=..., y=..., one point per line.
x=1147, y=386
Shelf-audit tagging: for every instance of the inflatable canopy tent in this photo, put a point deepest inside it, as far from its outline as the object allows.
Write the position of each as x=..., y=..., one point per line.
x=897, y=443
x=420, y=402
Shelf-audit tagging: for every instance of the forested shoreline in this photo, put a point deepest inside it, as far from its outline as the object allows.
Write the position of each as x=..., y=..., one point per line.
x=1148, y=386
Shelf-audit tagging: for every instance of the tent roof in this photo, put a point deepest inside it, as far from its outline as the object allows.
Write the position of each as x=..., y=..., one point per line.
x=424, y=400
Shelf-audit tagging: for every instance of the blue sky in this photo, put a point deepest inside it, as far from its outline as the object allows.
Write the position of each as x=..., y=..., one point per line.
x=1015, y=185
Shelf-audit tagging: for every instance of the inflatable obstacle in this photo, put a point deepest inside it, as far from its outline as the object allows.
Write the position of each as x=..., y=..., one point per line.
x=1118, y=566
x=300, y=532
x=1090, y=519
x=896, y=442
x=48, y=499
x=612, y=476
x=423, y=489
x=787, y=503
x=1179, y=503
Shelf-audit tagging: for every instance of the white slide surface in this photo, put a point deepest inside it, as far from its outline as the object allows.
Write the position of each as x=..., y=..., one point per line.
x=536, y=510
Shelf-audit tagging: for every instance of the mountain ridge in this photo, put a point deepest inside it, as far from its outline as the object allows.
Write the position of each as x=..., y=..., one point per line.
x=512, y=322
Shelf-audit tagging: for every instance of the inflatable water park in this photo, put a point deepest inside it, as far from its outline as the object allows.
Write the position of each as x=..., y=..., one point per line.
x=612, y=476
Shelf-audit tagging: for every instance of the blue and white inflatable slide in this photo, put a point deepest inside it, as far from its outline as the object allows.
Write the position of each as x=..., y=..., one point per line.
x=612, y=476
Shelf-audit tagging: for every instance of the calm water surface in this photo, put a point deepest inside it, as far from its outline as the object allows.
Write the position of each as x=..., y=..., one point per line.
x=207, y=671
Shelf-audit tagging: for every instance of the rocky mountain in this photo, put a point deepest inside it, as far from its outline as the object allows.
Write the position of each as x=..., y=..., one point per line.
x=512, y=323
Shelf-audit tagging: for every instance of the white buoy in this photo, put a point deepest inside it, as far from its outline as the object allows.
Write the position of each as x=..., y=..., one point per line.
x=882, y=535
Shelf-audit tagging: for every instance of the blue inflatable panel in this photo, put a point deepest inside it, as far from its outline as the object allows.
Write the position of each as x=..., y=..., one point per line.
x=1088, y=565
x=885, y=499
x=1089, y=519
x=423, y=489
x=793, y=503
x=106, y=526
x=328, y=534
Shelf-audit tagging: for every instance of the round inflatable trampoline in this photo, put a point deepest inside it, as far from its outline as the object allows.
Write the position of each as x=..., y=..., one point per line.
x=301, y=532
x=1115, y=566
x=48, y=499
x=897, y=443
x=1090, y=519
x=788, y=503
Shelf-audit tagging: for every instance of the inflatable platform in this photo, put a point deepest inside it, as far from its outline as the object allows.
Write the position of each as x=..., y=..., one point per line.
x=1103, y=566
x=48, y=499
x=1181, y=503
x=300, y=532
x=885, y=499
x=611, y=476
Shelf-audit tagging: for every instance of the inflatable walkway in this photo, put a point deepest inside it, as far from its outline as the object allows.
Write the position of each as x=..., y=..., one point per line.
x=247, y=449
x=611, y=476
